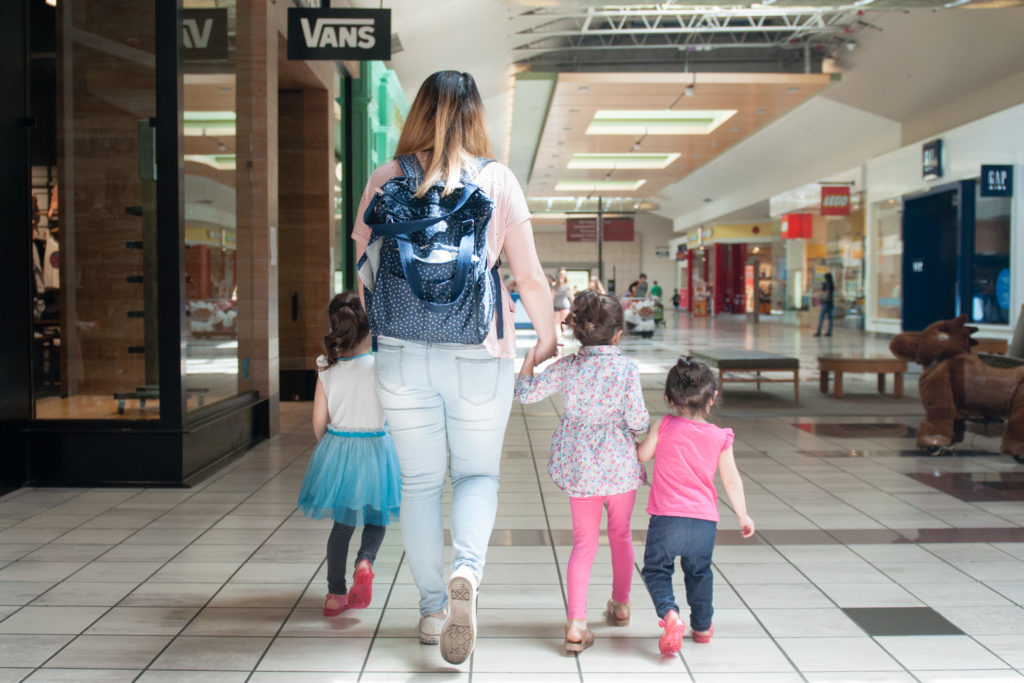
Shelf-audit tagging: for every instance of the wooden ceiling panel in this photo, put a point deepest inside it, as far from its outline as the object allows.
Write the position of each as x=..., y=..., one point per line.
x=757, y=98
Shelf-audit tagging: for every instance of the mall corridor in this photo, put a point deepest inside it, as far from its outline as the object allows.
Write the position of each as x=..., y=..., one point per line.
x=872, y=560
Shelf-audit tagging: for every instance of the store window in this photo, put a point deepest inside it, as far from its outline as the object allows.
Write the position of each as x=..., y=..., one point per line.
x=889, y=250
x=211, y=176
x=990, y=262
x=95, y=341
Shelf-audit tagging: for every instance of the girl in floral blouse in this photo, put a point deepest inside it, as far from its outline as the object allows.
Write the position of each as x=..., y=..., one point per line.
x=593, y=451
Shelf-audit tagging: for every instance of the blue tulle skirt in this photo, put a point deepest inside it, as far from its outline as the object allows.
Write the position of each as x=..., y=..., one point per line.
x=353, y=479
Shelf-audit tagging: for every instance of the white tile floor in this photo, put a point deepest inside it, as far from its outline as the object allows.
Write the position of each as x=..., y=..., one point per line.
x=225, y=582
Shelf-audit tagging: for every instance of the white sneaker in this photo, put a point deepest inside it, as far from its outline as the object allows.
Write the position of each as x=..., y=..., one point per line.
x=458, y=637
x=430, y=627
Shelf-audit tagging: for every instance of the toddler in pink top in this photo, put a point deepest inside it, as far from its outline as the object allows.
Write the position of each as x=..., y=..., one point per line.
x=683, y=504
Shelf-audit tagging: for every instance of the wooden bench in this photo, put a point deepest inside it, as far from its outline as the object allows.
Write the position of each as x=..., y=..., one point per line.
x=746, y=361
x=840, y=363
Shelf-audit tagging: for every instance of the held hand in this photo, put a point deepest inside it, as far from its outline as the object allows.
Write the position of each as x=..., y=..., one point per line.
x=746, y=525
x=544, y=350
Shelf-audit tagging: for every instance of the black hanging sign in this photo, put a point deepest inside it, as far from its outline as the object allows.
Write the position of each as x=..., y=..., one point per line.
x=931, y=160
x=996, y=180
x=353, y=34
x=204, y=34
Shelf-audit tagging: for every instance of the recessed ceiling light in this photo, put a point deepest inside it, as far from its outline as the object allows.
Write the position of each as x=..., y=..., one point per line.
x=574, y=111
x=567, y=128
x=793, y=89
x=622, y=161
x=584, y=88
x=735, y=129
x=658, y=122
x=714, y=143
x=761, y=112
x=598, y=185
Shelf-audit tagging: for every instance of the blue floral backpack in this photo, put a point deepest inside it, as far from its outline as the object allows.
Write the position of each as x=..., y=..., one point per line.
x=425, y=273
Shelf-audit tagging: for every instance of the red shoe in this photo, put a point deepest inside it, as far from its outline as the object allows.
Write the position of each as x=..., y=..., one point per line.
x=671, y=640
x=361, y=592
x=704, y=636
x=335, y=605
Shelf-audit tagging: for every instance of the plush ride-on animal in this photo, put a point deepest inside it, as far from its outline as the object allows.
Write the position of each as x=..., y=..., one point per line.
x=957, y=384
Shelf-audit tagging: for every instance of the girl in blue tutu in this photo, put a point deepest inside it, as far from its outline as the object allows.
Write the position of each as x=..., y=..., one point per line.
x=353, y=474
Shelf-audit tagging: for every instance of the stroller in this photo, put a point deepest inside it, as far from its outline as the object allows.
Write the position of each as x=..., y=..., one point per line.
x=639, y=316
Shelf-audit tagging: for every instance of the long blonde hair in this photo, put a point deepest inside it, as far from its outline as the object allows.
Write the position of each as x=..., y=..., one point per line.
x=447, y=118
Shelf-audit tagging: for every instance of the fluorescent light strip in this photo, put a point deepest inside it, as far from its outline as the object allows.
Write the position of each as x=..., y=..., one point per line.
x=221, y=162
x=622, y=161
x=658, y=122
x=599, y=185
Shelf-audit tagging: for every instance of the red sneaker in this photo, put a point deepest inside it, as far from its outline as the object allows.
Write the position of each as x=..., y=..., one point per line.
x=671, y=640
x=704, y=636
x=335, y=605
x=361, y=592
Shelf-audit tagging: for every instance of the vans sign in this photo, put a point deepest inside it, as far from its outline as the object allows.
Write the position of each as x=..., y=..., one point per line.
x=204, y=34
x=353, y=34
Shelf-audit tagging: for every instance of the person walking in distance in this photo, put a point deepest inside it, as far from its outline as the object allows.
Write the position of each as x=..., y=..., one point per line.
x=828, y=291
x=562, y=298
x=444, y=370
x=353, y=475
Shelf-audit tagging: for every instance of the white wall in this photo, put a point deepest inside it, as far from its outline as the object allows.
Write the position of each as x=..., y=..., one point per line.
x=622, y=260
x=995, y=139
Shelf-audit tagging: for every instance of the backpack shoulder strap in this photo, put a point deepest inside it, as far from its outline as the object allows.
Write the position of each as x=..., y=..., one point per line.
x=468, y=174
x=410, y=166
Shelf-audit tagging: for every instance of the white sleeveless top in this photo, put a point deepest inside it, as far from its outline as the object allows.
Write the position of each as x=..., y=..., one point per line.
x=352, y=403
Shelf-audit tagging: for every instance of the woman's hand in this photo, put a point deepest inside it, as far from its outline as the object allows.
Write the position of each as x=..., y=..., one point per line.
x=543, y=350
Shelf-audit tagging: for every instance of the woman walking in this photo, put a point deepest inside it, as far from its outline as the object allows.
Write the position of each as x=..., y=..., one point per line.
x=454, y=398
x=562, y=298
x=828, y=292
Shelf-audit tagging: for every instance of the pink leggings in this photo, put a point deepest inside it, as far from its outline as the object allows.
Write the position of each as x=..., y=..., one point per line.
x=586, y=529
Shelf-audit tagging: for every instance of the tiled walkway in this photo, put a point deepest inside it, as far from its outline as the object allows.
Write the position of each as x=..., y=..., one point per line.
x=871, y=562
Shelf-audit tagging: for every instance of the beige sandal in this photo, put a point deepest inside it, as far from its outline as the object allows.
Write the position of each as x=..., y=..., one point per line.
x=587, y=638
x=614, y=610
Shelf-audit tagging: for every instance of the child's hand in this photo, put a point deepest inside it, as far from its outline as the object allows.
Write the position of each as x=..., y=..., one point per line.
x=746, y=525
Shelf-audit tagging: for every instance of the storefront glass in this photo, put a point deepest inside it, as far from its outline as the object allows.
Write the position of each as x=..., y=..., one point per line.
x=95, y=315
x=990, y=262
x=889, y=251
x=211, y=235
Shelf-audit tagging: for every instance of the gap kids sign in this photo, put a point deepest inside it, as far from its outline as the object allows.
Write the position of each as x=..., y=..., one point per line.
x=353, y=34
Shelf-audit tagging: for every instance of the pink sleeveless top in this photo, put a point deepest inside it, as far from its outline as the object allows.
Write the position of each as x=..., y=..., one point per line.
x=685, y=462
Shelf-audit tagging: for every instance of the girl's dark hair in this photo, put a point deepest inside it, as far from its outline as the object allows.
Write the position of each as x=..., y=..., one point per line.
x=349, y=325
x=690, y=386
x=594, y=318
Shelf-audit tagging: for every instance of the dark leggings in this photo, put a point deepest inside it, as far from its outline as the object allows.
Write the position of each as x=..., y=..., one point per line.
x=337, y=552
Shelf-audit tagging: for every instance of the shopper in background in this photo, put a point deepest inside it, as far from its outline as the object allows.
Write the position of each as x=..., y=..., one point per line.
x=641, y=287
x=595, y=284
x=448, y=404
x=561, y=298
x=828, y=291
x=656, y=290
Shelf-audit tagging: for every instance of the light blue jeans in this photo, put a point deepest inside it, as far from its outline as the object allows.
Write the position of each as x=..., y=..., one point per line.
x=447, y=406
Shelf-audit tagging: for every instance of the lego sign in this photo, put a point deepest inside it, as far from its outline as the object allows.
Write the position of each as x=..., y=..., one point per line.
x=835, y=200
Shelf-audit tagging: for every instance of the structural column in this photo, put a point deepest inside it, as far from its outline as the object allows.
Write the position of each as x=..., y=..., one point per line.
x=257, y=196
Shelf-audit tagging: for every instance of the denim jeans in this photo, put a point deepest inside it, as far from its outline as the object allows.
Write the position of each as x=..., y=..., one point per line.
x=826, y=310
x=447, y=406
x=692, y=541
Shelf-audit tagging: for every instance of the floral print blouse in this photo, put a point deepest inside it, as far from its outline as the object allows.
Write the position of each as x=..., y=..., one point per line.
x=593, y=450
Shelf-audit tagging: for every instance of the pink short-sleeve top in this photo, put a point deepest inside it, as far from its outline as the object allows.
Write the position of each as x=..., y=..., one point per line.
x=685, y=462
x=511, y=214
